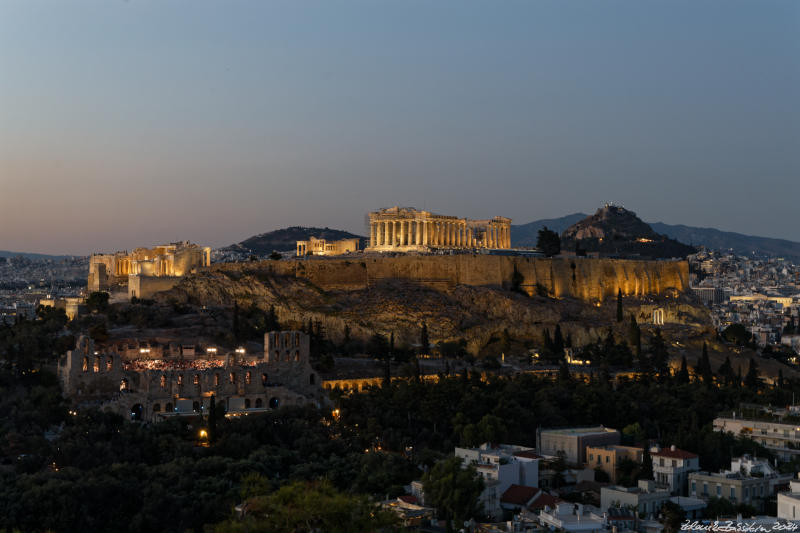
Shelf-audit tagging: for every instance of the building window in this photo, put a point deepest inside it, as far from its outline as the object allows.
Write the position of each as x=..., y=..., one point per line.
x=694, y=487
x=264, y=379
x=232, y=377
x=180, y=380
x=168, y=408
x=216, y=380
x=247, y=403
x=163, y=382
x=608, y=459
x=156, y=407
x=746, y=493
x=85, y=364
x=705, y=489
x=591, y=457
x=733, y=493
x=719, y=491
x=312, y=379
x=674, y=463
x=197, y=379
x=297, y=339
x=196, y=407
x=297, y=355
x=661, y=462
x=123, y=385
x=248, y=377
x=109, y=363
x=259, y=403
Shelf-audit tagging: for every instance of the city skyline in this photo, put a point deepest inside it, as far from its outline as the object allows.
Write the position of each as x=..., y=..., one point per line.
x=129, y=123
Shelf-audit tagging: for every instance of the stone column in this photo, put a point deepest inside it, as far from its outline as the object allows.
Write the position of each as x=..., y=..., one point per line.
x=410, y=239
x=418, y=240
x=425, y=233
x=385, y=233
x=437, y=232
x=372, y=234
x=402, y=233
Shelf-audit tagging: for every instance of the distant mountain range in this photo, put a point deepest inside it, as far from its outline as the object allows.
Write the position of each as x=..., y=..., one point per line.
x=26, y=255
x=526, y=235
x=284, y=240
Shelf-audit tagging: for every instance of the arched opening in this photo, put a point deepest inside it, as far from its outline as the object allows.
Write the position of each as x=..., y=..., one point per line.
x=248, y=377
x=232, y=377
x=163, y=381
x=109, y=363
x=247, y=403
x=274, y=403
x=264, y=379
x=85, y=364
x=259, y=403
x=136, y=412
x=156, y=407
x=216, y=380
x=168, y=408
x=196, y=407
x=180, y=380
x=123, y=385
x=96, y=367
x=312, y=379
x=197, y=379
x=297, y=355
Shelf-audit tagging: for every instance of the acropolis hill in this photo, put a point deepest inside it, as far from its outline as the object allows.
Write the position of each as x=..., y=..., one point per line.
x=586, y=279
x=465, y=296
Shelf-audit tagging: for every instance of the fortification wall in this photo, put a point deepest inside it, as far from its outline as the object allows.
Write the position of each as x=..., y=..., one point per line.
x=583, y=278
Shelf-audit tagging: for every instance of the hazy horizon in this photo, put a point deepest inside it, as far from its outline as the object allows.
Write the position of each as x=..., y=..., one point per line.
x=130, y=123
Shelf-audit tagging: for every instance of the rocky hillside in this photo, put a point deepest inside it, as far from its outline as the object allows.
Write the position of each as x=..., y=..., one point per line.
x=614, y=230
x=479, y=315
x=286, y=239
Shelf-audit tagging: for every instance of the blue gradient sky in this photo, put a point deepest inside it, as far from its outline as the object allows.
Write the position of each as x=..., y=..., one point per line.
x=126, y=123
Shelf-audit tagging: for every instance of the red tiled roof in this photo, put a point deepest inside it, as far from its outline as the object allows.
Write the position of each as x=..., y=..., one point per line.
x=543, y=500
x=528, y=454
x=408, y=498
x=674, y=454
x=518, y=494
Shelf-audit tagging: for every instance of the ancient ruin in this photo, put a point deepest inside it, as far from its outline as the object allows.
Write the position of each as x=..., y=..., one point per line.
x=405, y=229
x=314, y=246
x=150, y=381
x=145, y=271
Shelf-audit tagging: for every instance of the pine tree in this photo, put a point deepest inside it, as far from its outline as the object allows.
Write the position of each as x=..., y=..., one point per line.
x=391, y=344
x=563, y=372
x=780, y=378
x=619, y=305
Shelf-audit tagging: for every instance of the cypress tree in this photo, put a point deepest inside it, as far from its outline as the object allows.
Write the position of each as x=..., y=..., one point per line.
x=751, y=380
x=704, y=367
x=424, y=341
x=683, y=373
x=558, y=341
x=619, y=305
x=212, y=420
x=236, y=331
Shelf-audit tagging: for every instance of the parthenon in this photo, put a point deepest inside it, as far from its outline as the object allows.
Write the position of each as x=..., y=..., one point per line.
x=405, y=229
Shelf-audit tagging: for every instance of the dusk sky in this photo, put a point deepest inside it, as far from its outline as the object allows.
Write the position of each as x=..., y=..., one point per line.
x=129, y=123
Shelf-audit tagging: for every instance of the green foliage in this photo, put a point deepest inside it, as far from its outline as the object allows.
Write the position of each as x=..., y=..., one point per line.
x=275, y=256
x=619, y=305
x=309, y=507
x=548, y=242
x=424, y=340
x=737, y=334
x=97, y=302
x=453, y=489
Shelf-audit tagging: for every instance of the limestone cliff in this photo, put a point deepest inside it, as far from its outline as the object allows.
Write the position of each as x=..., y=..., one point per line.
x=458, y=297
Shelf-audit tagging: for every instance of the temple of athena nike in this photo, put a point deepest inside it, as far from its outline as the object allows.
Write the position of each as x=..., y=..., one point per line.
x=405, y=229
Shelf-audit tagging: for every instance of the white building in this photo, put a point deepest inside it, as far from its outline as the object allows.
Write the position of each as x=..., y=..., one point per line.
x=574, y=518
x=671, y=467
x=789, y=502
x=781, y=439
x=500, y=467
